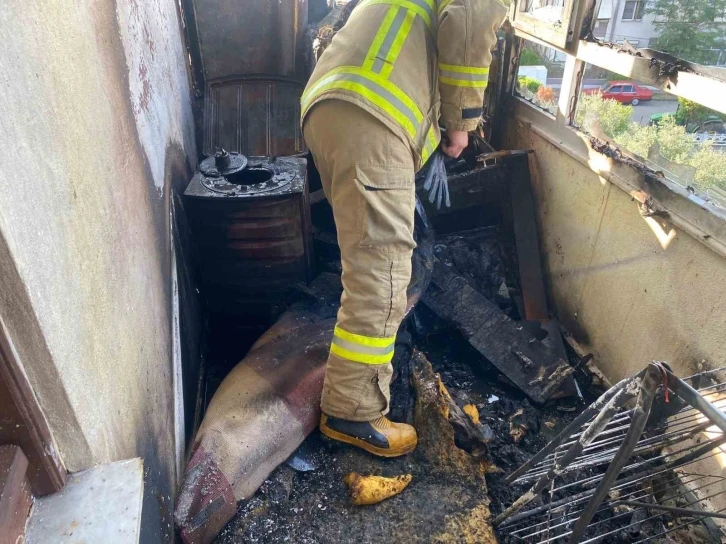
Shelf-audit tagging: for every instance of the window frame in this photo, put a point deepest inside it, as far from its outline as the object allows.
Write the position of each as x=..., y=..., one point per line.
x=686, y=210
x=559, y=35
x=637, y=11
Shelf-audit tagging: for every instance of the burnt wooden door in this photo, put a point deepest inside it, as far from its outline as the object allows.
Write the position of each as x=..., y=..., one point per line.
x=22, y=423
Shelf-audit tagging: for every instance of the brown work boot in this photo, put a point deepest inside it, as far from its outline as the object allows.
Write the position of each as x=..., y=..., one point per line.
x=380, y=437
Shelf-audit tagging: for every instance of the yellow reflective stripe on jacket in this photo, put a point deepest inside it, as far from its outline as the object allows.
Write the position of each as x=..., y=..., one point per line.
x=372, y=87
x=389, y=40
x=443, y=4
x=463, y=76
x=362, y=349
x=463, y=69
x=430, y=145
x=372, y=341
x=380, y=37
x=422, y=8
x=396, y=45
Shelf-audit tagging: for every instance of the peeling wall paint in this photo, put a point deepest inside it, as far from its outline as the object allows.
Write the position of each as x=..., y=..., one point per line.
x=158, y=88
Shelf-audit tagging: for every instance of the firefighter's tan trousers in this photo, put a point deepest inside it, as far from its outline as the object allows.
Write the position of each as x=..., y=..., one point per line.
x=368, y=178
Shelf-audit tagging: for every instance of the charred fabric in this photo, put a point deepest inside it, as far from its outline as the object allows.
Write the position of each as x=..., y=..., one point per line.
x=521, y=438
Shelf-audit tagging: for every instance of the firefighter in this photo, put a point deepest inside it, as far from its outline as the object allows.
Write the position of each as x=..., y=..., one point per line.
x=371, y=114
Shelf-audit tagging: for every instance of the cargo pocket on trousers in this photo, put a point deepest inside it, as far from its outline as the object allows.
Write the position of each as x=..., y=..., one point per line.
x=386, y=217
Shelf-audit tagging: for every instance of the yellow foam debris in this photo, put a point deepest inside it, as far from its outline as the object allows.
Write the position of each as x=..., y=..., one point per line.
x=471, y=411
x=473, y=527
x=445, y=395
x=374, y=489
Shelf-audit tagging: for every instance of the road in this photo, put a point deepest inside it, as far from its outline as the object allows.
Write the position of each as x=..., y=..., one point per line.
x=644, y=110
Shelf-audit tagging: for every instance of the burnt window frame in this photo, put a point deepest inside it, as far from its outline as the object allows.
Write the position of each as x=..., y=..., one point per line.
x=677, y=77
x=558, y=34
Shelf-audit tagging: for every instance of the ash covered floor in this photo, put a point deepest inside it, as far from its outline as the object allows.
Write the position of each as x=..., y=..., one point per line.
x=457, y=486
x=452, y=490
x=449, y=497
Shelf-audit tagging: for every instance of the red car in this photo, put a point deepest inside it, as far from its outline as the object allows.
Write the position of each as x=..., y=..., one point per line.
x=625, y=92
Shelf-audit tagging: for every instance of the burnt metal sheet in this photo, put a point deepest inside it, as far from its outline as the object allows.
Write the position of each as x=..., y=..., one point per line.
x=537, y=370
x=238, y=37
x=253, y=116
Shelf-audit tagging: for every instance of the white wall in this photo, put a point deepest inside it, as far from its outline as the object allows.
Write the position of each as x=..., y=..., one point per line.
x=96, y=130
x=624, y=295
x=633, y=31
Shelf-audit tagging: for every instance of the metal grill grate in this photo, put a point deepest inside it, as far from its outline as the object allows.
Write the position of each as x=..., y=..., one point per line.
x=653, y=488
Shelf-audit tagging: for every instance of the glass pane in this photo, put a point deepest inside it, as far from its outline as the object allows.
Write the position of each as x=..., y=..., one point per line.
x=539, y=77
x=550, y=11
x=684, y=140
x=629, y=10
x=694, y=30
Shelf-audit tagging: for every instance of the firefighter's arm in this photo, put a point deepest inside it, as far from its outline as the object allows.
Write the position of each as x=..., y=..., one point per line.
x=466, y=36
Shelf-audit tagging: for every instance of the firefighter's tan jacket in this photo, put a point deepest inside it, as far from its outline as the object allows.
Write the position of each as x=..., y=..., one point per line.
x=411, y=63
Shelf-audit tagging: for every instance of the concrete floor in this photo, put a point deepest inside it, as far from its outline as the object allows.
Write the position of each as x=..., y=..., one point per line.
x=101, y=504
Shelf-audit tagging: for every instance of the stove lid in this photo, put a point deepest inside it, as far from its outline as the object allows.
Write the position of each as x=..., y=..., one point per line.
x=223, y=163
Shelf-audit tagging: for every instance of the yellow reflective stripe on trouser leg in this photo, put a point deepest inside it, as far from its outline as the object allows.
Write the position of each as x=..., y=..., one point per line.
x=362, y=349
x=463, y=76
x=373, y=88
x=380, y=37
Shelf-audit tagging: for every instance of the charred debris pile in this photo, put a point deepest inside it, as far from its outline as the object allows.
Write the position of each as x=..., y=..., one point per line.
x=499, y=395
x=475, y=422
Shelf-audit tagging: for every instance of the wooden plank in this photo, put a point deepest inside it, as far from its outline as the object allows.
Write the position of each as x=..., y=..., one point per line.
x=527, y=240
x=529, y=364
x=15, y=496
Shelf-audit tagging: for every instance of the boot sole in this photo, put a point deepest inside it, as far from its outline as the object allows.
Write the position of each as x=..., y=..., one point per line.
x=362, y=444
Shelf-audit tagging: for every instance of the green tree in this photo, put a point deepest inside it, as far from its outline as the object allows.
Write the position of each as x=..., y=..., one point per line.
x=710, y=166
x=529, y=57
x=667, y=140
x=638, y=139
x=693, y=114
x=673, y=141
x=594, y=114
x=688, y=28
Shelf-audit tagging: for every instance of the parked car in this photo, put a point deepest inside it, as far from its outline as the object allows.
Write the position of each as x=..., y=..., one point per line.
x=625, y=92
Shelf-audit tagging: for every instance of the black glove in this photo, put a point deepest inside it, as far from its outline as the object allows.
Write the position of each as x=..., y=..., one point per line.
x=436, y=182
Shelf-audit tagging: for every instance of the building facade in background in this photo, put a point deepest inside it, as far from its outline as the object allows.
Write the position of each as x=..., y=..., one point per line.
x=619, y=21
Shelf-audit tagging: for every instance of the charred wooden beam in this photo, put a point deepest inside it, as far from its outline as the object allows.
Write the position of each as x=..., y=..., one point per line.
x=529, y=364
x=15, y=496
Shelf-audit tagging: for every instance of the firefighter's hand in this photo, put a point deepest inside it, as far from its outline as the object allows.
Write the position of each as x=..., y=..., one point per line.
x=455, y=142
